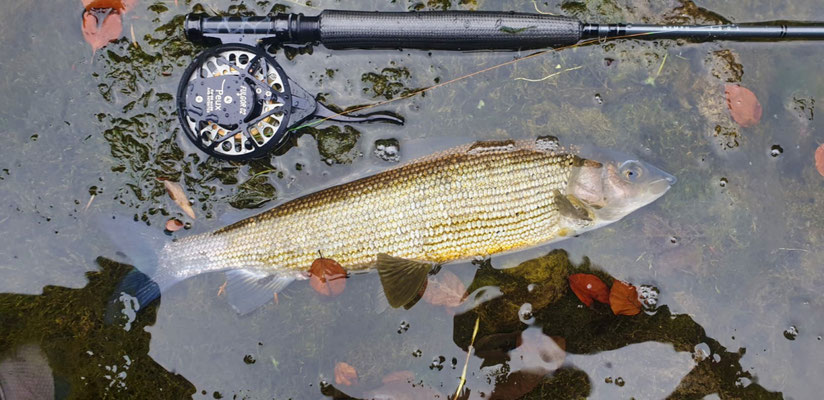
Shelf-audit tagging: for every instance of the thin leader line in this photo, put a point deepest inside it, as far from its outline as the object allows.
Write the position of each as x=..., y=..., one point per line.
x=462, y=77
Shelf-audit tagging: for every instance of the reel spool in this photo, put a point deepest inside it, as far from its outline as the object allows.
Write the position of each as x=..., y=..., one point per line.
x=236, y=103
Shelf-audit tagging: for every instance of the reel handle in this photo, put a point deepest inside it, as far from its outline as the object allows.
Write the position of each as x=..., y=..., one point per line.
x=436, y=30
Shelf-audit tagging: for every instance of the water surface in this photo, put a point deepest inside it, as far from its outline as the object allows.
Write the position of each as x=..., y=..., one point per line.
x=734, y=248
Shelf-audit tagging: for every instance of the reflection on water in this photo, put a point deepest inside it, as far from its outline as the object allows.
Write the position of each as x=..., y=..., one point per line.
x=560, y=349
x=90, y=358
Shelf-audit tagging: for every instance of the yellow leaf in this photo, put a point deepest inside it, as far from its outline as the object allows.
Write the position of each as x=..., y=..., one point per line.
x=176, y=193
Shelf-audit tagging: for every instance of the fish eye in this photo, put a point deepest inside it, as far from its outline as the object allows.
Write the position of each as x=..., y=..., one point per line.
x=631, y=170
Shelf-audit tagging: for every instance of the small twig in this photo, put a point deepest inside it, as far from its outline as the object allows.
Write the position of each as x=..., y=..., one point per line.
x=535, y=3
x=651, y=79
x=661, y=67
x=792, y=249
x=468, y=354
x=134, y=40
x=549, y=76
x=222, y=288
x=261, y=173
x=91, y=199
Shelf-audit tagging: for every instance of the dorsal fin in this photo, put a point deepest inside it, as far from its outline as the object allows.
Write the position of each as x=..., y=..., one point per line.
x=548, y=144
x=491, y=146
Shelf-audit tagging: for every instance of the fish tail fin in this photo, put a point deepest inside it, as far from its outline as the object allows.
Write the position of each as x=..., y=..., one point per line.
x=141, y=245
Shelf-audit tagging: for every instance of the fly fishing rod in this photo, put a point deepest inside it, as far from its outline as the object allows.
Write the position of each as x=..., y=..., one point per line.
x=235, y=101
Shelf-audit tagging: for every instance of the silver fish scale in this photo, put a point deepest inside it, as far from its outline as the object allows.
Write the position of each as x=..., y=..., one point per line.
x=469, y=201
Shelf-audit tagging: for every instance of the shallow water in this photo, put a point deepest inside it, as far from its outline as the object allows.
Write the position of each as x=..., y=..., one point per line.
x=734, y=247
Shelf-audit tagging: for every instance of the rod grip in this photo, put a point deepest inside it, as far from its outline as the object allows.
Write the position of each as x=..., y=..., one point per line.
x=446, y=30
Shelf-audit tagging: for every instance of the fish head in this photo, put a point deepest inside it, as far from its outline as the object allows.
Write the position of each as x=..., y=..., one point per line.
x=610, y=185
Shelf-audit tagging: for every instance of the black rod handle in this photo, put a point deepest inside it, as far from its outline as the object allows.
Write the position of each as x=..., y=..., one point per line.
x=446, y=30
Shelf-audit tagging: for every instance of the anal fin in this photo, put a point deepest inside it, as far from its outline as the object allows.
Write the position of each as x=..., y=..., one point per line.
x=247, y=289
x=401, y=279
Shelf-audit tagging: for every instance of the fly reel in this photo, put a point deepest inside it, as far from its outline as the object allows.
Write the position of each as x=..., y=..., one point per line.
x=236, y=103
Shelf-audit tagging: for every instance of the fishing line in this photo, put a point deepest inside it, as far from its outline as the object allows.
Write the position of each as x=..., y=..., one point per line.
x=463, y=77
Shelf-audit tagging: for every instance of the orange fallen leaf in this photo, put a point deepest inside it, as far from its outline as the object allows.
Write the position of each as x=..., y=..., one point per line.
x=819, y=159
x=345, y=374
x=115, y=4
x=327, y=277
x=176, y=193
x=588, y=287
x=98, y=34
x=123, y=6
x=623, y=299
x=173, y=225
x=743, y=105
x=444, y=289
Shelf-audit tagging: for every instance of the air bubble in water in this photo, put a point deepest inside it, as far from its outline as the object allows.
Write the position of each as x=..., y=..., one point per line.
x=525, y=314
x=388, y=150
x=791, y=332
x=776, y=150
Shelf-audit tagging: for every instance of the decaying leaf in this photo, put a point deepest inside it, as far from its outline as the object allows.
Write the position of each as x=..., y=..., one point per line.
x=589, y=287
x=176, y=193
x=623, y=299
x=819, y=159
x=345, y=374
x=115, y=4
x=123, y=6
x=173, y=225
x=444, y=289
x=743, y=105
x=97, y=33
x=327, y=277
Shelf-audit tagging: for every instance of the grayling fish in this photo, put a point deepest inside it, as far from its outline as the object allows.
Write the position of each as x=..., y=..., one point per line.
x=473, y=200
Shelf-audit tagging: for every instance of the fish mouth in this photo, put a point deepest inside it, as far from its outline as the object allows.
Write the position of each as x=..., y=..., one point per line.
x=670, y=179
x=660, y=186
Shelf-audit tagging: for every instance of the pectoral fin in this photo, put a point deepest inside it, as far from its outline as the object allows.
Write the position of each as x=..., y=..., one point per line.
x=401, y=279
x=247, y=289
x=571, y=207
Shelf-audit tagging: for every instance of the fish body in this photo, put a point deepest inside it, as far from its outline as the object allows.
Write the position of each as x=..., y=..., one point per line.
x=473, y=200
x=457, y=204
